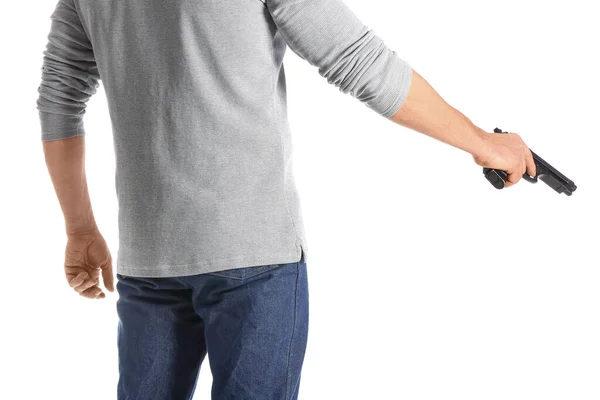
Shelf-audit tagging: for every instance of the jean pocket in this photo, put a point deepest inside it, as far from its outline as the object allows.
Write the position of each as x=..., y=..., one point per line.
x=244, y=272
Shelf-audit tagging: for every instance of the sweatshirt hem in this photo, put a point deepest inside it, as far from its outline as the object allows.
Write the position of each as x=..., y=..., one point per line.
x=214, y=265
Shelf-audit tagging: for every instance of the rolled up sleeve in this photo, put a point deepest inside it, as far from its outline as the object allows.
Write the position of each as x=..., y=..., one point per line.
x=69, y=75
x=328, y=35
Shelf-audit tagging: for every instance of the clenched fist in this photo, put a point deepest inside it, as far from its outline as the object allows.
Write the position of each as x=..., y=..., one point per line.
x=506, y=152
x=86, y=258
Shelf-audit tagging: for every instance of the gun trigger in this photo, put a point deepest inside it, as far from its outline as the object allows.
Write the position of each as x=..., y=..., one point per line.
x=529, y=178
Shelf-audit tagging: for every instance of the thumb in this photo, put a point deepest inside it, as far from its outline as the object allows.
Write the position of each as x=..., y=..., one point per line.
x=107, y=276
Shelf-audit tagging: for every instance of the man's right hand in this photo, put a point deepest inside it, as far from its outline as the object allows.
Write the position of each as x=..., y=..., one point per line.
x=426, y=112
x=506, y=152
x=86, y=256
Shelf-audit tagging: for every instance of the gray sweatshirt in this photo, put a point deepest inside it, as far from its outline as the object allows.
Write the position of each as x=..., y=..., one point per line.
x=197, y=99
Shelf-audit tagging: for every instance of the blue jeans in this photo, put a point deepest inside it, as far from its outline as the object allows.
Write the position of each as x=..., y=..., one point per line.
x=252, y=322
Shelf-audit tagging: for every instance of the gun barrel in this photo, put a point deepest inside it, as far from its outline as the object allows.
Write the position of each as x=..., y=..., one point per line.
x=552, y=177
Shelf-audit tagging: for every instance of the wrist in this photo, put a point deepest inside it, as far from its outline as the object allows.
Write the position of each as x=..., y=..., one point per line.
x=479, y=147
x=83, y=225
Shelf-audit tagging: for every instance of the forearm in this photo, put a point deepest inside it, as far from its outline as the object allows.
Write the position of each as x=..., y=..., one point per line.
x=65, y=160
x=69, y=78
x=426, y=112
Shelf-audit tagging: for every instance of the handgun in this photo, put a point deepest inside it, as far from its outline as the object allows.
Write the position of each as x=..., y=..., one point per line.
x=544, y=171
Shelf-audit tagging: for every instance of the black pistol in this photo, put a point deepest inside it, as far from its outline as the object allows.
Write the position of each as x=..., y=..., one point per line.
x=546, y=172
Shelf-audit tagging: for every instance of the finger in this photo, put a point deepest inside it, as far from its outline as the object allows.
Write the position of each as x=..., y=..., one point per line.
x=513, y=177
x=107, y=276
x=93, y=293
x=79, y=279
x=530, y=163
x=86, y=285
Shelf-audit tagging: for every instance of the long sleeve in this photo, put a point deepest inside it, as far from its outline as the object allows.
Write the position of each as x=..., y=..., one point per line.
x=328, y=35
x=69, y=75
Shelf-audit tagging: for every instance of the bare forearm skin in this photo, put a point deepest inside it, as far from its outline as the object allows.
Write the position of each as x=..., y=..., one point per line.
x=426, y=112
x=65, y=160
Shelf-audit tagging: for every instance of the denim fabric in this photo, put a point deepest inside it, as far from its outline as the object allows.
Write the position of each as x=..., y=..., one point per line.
x=251, y=321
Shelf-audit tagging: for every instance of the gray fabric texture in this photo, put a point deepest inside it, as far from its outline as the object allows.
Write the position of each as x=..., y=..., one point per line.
x=196, y=93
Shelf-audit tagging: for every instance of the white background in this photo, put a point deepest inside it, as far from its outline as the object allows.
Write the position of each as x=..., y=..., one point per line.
x=425, y=282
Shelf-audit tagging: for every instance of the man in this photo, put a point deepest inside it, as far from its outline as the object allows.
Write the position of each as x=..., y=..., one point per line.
x=212, y=252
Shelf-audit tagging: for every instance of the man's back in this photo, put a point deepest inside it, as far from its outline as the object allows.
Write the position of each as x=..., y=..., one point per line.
x=197, y=98
x=211, y=233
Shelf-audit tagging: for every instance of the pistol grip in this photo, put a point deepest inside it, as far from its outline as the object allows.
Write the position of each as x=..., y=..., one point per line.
x=496, y=177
